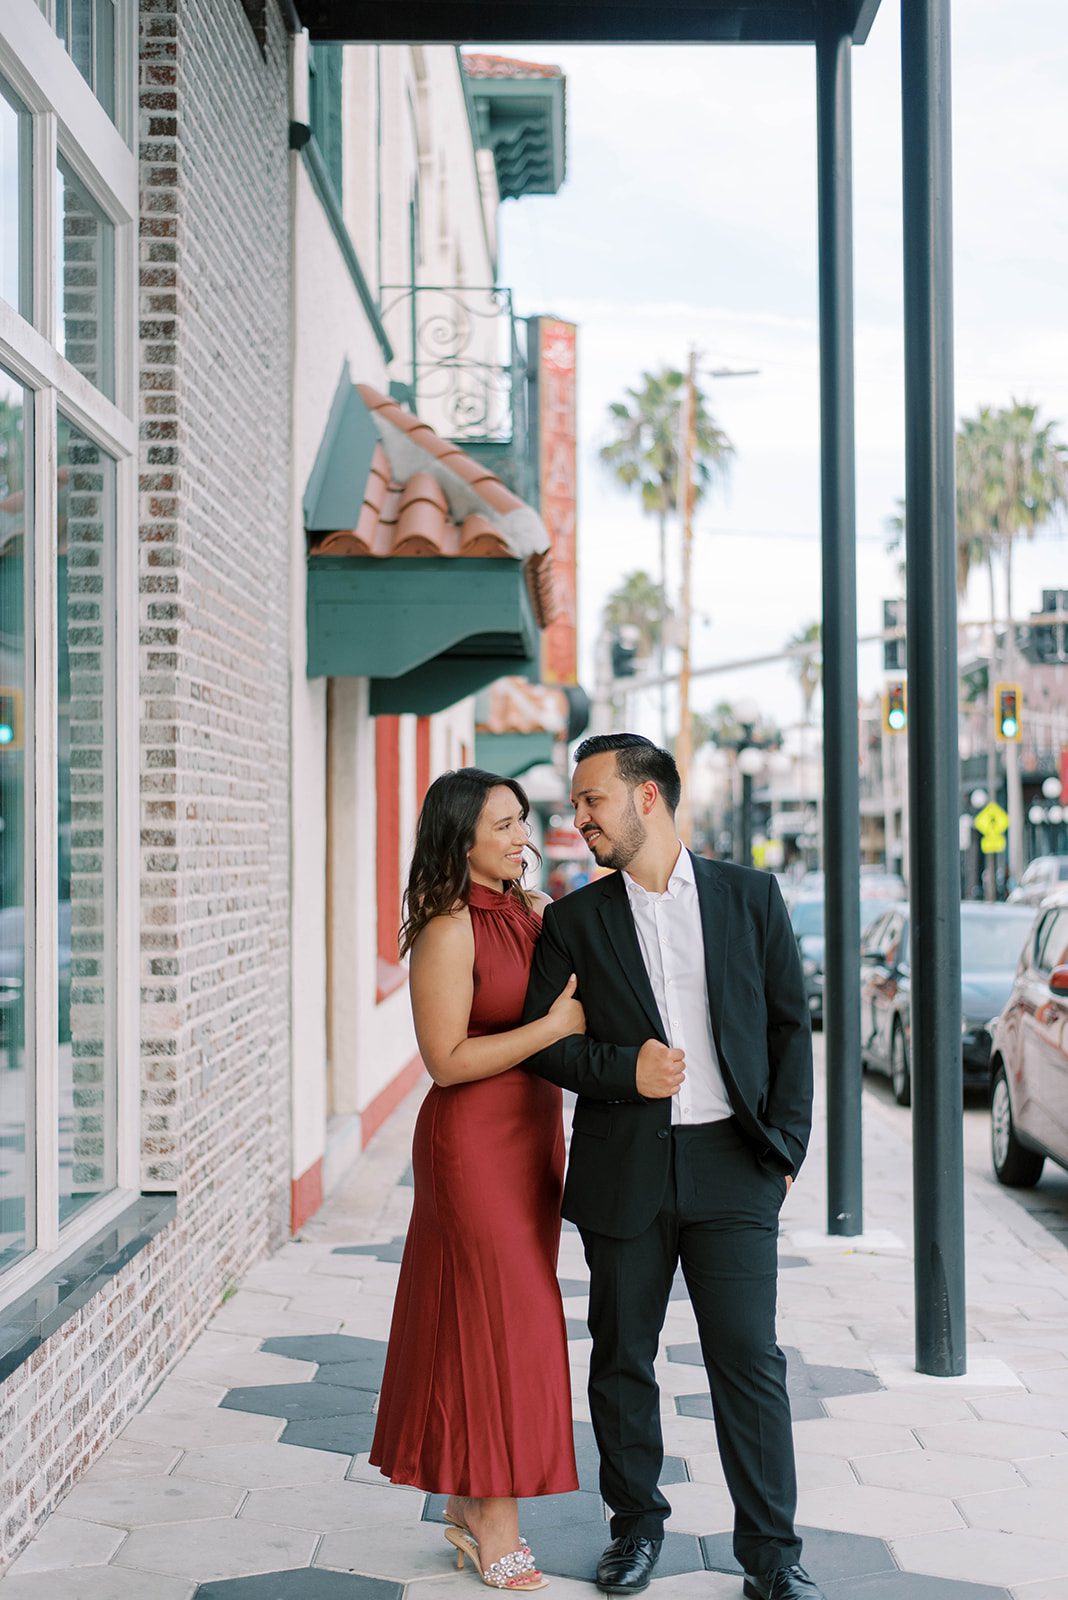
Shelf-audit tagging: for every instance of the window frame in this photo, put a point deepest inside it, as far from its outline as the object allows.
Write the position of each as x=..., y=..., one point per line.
x=68, y=120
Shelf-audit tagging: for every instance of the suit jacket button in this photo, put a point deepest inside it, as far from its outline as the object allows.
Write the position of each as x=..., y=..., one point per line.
x=661, y=1133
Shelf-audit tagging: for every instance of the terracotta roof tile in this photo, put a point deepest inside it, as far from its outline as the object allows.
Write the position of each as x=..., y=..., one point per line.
x=541, y=586
x=479, y=65
x=449, y=505
x=479, y=537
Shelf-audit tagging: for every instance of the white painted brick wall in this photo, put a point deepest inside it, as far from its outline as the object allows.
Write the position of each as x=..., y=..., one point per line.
x=214, y=736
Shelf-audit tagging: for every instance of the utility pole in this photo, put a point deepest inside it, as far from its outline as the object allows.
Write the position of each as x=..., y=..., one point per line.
x=684, y=743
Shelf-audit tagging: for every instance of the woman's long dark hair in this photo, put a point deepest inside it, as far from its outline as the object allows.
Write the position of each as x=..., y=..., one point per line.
x=440, y=878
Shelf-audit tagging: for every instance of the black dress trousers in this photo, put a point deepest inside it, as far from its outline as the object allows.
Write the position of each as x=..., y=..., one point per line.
x=720, y=1219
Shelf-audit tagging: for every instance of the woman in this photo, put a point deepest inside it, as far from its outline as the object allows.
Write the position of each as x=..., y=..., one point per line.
x=476, y=1397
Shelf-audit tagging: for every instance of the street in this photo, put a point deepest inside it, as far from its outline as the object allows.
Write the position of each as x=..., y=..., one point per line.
x=1048, y=1203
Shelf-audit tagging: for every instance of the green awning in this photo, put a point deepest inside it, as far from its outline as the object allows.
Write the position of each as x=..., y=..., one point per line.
x=512, y=754
x=427, y=632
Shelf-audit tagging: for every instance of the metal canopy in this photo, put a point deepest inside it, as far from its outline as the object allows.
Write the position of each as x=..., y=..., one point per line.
x=590, y=21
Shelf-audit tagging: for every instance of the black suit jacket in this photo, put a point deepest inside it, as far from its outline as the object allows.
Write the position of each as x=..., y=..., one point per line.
x=621, y=1146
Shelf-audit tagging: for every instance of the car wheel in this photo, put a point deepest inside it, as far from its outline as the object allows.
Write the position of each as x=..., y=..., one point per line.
x=1014, y=1165
x=900, y=1077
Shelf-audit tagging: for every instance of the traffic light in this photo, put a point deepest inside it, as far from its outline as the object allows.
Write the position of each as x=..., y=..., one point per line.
x=893, y=649
x=895, y=708
x=1008, y=705
x=625, y=643
x=10, y=720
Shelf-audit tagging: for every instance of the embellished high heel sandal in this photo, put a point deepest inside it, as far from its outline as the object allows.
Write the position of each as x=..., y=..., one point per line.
x=456, y=1523
x=515, y=1571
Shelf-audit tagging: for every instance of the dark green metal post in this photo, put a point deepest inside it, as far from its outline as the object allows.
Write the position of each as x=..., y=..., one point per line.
x=841, y=799
x=930, y=498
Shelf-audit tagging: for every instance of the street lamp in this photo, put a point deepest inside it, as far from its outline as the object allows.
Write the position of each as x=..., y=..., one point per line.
x=750, y=765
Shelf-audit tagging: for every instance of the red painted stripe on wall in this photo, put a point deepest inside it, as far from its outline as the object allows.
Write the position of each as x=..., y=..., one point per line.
x=306, y=1195
x=387, y=844
x=388, y=1099
x=422, y=759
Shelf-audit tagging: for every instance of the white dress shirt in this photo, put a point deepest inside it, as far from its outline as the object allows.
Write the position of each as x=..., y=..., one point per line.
x=673, y=950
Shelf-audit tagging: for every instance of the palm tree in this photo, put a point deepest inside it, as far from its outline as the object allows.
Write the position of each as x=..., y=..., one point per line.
x=807, y=667
x=643, y=453
x=1012, y=477
x=638, y=603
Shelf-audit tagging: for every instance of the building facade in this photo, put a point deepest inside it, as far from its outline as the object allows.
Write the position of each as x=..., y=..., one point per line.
x=202, y=1014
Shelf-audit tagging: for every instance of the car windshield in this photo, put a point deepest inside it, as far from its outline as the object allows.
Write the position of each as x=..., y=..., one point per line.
x=807, y=915
x=992, y=941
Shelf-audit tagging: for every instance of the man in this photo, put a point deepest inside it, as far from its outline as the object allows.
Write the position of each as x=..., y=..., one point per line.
x=695, y=1106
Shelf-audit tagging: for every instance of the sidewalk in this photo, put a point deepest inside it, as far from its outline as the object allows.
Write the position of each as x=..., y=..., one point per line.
x=246, y=1476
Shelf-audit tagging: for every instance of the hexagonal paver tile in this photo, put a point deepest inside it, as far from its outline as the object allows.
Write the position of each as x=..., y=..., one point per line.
x=133, y=1502
x=551, y=1510
x=261, y=1466
x=326, y=1347
x=910, y=1586
x=299, y=1401
x=803, y=1407
x=301, y=1583
x=94, y=1583
x=1044, y=1472
x=392, y=1250
x=826, y=1555
x=574, y=1550
x=1034, y=1410
x=346, y=1436
x=363, y=1374
x=915, y=1409
x=836, y=1437
x=66, y=1542
x=418, y=1550
x=219, y=1548
x=883, y=1513
x=191, y=1428
x=979, y=1556
x=695, y=1586
x=699, y=1508
x=1008, y=1441
x=1039, y=1512
x=326, y=1506
x=125, y=1457
x=935, y=1472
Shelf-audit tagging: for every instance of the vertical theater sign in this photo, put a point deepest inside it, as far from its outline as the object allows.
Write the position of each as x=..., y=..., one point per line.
x=557, y=469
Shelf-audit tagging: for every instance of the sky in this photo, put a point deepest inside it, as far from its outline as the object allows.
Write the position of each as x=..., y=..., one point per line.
x=689, y=217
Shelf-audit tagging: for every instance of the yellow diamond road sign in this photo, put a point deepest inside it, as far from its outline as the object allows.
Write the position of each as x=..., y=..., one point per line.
x=992, y=819
x=992, y=844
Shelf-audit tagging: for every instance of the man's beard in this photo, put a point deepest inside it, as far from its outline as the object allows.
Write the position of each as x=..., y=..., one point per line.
x=629, y=841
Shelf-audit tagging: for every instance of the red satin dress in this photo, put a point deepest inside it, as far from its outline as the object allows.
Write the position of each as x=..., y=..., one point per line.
x=476, y=1396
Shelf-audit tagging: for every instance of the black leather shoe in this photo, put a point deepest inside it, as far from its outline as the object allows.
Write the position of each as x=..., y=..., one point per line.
x=627, y=1565
x=787, y=1583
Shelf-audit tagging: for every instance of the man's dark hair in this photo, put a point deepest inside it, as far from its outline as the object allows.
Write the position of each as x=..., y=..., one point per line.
x=638, y=760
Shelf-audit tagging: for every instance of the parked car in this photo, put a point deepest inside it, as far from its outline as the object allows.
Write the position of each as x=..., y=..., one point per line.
x=1040, y=876
x=990, y=936
x=1029, y=1064
x=807, y=916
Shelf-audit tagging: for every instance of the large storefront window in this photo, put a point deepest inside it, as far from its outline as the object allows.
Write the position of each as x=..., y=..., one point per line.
x=85, y=282
x=69, y=1157
x=16, y=199
x=87, y=29
x=16, y=1085
x=85, y=790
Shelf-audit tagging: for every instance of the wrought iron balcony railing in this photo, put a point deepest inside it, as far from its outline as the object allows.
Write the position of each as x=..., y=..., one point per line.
x=461, y=355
